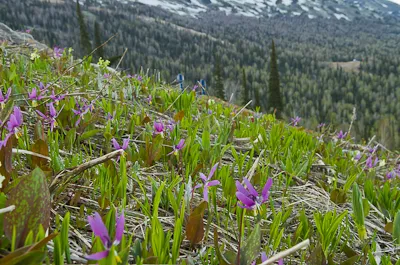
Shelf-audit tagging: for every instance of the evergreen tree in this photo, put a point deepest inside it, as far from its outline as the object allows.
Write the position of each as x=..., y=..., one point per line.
x=219, y=82
x=85, y=40
x=246, y=90
x=274, y=95
x=98, y=41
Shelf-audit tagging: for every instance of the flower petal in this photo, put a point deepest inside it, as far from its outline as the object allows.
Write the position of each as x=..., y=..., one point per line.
x=205, y=193
x=250, y=187
x=119, y=229
x=98, y=227
x=181, y=144
x=280, y=262
x=241, y=189
x=203, y=177
x=213, y=171
x=263, y=257
x=245, y=200
x=115, y=144
x=212, y=183
x=266, y=189
x=125, y=143
x=98, y=255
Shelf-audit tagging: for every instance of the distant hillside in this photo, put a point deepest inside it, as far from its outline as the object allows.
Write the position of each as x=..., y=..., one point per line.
x=158, y=39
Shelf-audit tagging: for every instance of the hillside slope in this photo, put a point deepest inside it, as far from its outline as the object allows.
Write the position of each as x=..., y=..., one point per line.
x=95, y=144
x=340, y=9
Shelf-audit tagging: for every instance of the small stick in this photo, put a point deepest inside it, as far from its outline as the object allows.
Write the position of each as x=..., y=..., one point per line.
x=26, y=152
x=287, y=252
x=7, y=209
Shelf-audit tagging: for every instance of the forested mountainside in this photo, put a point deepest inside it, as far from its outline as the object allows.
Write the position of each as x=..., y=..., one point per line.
x=312, y=86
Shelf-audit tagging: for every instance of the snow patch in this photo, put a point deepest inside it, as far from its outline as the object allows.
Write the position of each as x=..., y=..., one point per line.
x=339, y=16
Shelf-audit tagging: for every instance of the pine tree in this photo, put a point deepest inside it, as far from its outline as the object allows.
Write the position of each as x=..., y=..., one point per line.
x=246, y=90
x=219, y=82
x=98, y=41
x=85, y=40
x=274, y=95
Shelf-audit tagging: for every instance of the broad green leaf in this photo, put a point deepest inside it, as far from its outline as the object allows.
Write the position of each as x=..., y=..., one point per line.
x=17, y=254
x=89, y=134
x=252, y=247
x=396, y=228
x=31, y=198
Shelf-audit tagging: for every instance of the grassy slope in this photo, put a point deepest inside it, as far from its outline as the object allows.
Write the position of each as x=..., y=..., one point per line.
x=306, y=167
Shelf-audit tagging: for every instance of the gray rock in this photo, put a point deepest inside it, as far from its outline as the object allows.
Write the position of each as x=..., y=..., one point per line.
x=20, y=38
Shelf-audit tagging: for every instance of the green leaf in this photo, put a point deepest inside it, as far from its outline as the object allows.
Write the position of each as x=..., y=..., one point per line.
x=206, y=144
x=251, y=249
x=221, y=258
x=19, y=256
x=396, y=228
x=358, y=210
x=351, y=261
x=31, y=198
x=89, y=134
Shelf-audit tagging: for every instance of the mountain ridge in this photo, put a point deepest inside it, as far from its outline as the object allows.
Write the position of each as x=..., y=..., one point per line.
x=338, y=9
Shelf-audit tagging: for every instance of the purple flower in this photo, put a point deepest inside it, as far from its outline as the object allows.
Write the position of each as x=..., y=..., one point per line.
x=373, y=150
x=51, y=116
x=178, y=147
x=207, y=183
x=57, y=98
x=4, y=99
x=296, y=120
x=249, y=197
x=43, y=88
x=358, y=156
x=110, y=116
x=58, y=52
x=158, y=129
x=106, y=76
x=100, y=230
x=370, y=163
x=137, y=77
x=149, y=99
x=125, y=144
x=15, y=122
x=171, y=126
x=394, y=173
x=34, y=96
x=264, y=258
x=391, y=175
x=209, y=112
x=28, y=31
x=321, y=125
x=341, y=135
x=195, y=87
x=82, y=110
